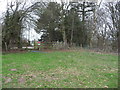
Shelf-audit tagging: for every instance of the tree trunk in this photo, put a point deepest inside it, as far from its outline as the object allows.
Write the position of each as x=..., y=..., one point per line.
x=19, y=43
x=72, y=30
x=83, y=27
x=64, y=38
x=6, y=47
x=63, y=27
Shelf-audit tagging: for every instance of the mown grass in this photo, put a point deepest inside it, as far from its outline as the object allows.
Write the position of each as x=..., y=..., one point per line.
x=73, y=69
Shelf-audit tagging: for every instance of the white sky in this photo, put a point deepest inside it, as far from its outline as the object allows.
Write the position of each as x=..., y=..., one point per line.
x=3, y=3
x=33, y=34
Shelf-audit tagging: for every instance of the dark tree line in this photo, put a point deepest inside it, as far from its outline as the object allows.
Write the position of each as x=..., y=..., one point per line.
x=83, y=24
x=68, y=24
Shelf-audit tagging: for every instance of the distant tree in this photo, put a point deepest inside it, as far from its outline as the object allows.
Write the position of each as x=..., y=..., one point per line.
x=114, y=15
x=13, y=23
x=49, y=22
x=84, y=10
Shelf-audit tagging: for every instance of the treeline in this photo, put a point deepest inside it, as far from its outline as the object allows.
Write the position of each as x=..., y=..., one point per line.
x=82, y=24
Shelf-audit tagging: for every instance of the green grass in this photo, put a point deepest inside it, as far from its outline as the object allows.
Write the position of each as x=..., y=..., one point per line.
x=75, y=69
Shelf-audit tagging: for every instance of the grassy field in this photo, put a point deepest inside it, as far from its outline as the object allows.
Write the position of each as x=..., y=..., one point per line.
x=74, y=69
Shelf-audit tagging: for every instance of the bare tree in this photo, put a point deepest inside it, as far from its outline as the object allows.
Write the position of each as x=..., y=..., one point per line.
x=16, y=15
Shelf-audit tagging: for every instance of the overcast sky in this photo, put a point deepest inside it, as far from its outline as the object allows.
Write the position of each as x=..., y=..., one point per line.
x=33, y=34
x=3, y=3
